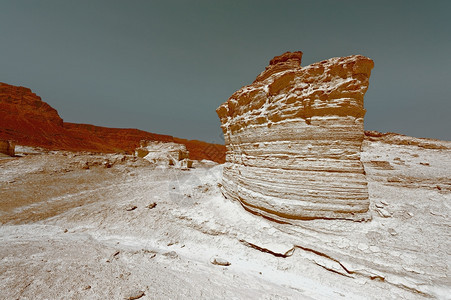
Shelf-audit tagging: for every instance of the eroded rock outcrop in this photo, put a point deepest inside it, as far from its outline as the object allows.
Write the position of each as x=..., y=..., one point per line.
x=7, y=147
x=162, y=153
x=294, y=138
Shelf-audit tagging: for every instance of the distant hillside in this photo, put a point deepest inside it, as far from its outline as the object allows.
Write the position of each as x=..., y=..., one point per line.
x=28, y=120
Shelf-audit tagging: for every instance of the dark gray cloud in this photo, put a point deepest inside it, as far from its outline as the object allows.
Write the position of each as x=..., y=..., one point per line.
x=165, y=66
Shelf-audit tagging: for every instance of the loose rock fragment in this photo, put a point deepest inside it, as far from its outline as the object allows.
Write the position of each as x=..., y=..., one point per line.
x=171, y=254
x=379, y=205
x=392, y=231
x=220, y=261
x=151, y=205
x=130, y=208
x=383, y=212
x=136, y=295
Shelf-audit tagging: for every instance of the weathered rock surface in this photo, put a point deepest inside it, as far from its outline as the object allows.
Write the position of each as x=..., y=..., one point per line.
x=294, y=137
x=25, y=118
x=164, y=153
x=7, y=147
x=404, y=256
x=220, y=261
x=400, y=139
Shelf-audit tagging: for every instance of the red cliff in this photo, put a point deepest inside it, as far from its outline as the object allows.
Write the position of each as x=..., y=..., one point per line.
x=29, y=121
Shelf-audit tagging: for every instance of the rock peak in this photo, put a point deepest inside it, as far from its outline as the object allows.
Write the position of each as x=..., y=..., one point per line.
x=296, y=57
x=286, y=61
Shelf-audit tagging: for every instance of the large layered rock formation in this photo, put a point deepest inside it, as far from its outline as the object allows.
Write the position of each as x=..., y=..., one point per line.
x=29, y=121
x=294, y=138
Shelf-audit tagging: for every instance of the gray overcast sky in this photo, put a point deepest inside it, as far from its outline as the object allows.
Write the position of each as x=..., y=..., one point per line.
x=165, y=66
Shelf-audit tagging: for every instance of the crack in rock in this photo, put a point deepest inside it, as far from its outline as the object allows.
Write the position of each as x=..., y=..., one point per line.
x=287, y=253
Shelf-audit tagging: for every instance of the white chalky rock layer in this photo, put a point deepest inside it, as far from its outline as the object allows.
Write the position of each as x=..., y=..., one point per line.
x=294, y=138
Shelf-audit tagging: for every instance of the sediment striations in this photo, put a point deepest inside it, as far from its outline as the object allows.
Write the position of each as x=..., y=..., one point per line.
x=294, y=137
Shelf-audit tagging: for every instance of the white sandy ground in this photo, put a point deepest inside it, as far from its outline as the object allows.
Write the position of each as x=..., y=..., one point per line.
x=94, y=247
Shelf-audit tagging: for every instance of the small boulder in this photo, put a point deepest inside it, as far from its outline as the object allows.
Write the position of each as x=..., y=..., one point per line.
x=171, y=254
x=392, y=231
x=383, y=213
x=130, y=208
x=136, y=295
x=151, y=205
x=219, y=261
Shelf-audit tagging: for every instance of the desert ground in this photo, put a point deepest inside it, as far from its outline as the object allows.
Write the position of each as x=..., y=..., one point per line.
x=94, y=226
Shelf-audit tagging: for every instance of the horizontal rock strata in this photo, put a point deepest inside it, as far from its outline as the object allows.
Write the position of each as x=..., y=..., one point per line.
x=294, y=138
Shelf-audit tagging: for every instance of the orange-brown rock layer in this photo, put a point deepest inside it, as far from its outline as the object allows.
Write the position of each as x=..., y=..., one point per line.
x=294, y=137
x=28, y=120
x=7, y=147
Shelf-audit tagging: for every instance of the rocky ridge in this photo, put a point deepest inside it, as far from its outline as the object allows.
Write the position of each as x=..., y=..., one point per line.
x=294, y=138
x=29, y=121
